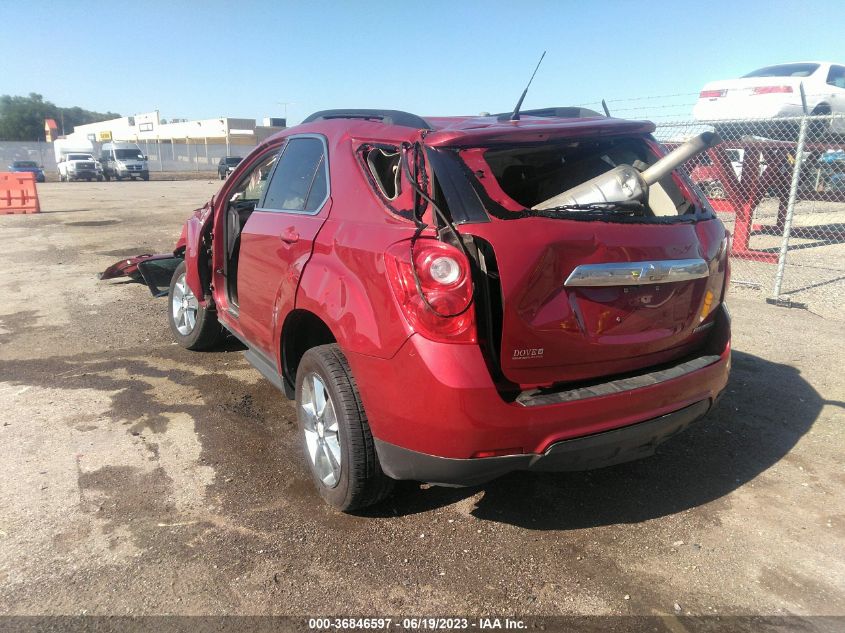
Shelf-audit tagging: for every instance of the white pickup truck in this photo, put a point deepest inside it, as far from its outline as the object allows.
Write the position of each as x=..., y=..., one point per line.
x=76, y=166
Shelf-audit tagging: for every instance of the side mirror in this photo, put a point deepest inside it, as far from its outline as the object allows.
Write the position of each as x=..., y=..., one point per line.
x=146, y=157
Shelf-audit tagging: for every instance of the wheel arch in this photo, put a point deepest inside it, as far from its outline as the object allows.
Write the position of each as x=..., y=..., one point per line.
x=301, y=330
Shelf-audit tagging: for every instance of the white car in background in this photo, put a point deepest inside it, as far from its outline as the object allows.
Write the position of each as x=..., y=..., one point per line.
x=774, y=92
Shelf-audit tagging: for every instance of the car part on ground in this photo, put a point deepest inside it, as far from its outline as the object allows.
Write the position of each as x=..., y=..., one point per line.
x=156, y=271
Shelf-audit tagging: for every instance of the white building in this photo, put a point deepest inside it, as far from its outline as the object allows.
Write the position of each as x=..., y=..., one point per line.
x=196, y=142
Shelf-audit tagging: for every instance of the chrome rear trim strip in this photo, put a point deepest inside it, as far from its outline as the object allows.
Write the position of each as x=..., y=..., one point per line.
x=637, y=273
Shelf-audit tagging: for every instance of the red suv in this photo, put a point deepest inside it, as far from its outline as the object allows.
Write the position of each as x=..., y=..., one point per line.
x=452, y=299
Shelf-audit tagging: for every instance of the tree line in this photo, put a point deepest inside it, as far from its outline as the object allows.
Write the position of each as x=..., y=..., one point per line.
x=22, y=118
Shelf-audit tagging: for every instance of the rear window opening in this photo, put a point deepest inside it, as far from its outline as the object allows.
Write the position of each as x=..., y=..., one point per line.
x=383, y=163
x=784, y=70
x=384, y=171
x=530, y=175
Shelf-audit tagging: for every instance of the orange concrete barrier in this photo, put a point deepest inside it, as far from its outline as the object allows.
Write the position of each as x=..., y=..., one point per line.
x=18, y=193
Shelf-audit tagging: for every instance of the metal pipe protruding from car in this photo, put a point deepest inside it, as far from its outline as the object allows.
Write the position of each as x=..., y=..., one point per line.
x=624, y=183
x=679, y=156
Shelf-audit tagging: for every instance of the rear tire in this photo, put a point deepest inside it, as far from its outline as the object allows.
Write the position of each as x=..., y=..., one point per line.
x=338, y=443
x=194, y=327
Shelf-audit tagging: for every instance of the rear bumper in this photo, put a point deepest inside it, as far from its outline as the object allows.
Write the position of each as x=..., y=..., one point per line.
x=584, y=453
x=438, y=400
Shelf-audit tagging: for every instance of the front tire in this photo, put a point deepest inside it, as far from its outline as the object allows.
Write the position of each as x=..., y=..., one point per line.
x=338, y=443
x=194, y=327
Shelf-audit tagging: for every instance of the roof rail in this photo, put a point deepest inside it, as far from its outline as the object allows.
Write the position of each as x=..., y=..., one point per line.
x=388, y=117
x=570, y=112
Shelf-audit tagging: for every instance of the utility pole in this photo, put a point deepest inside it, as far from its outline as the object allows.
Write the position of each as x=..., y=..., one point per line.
x=285, y=105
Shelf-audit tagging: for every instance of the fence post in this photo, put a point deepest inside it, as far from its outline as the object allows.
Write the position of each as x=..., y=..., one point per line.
x=790, y=206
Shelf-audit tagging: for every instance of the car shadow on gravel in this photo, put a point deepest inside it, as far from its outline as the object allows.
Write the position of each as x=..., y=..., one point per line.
x=767, y=408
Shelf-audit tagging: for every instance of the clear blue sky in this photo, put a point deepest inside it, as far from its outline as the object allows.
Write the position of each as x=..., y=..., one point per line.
x=241, y=58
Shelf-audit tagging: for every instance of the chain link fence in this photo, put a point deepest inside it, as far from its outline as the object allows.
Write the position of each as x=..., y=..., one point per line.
x=164, y=155
x=39, y=151
x=185, y=156
x=779, y=187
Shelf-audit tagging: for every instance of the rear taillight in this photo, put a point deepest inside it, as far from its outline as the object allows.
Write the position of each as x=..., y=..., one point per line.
x=727, y=256
x=445, y=280
x=768, y=90
x=711, y=94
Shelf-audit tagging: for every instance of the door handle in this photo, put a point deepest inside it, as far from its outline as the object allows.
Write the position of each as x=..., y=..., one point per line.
x=289, y=236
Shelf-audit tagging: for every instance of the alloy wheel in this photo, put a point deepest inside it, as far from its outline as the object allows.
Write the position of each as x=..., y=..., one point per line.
x=322, y=437
x=184, y=306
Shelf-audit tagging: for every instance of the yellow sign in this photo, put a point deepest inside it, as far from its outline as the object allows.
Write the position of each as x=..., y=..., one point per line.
x=103, y=136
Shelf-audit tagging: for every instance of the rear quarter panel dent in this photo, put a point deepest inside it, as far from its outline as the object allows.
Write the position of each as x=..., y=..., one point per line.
x=346, y=287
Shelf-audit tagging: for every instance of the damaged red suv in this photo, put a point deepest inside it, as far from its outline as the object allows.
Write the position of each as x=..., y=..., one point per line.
x=452, y=299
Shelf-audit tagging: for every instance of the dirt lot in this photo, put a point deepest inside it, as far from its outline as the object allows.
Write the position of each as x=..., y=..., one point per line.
x=139, y=478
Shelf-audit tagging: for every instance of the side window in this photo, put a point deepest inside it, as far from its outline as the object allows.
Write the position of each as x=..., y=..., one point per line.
x=252, y=187
x=300, y=182
x=836, y=76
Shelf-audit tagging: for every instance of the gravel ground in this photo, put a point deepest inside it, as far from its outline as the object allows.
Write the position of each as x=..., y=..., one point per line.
x=139, y=478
